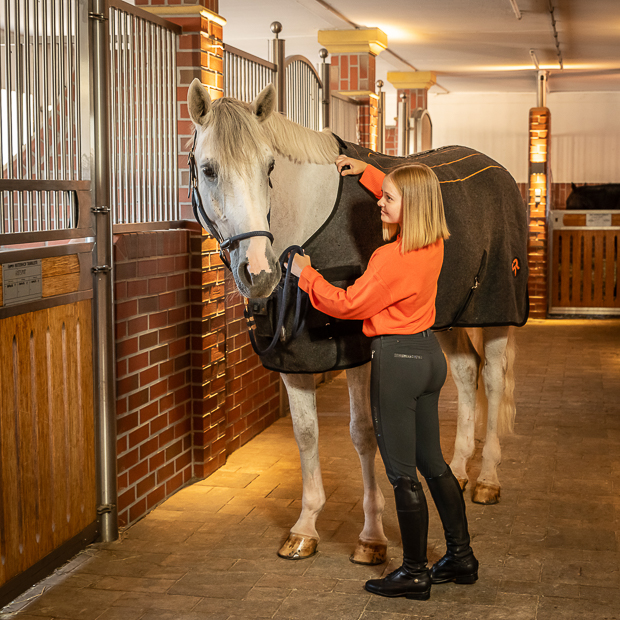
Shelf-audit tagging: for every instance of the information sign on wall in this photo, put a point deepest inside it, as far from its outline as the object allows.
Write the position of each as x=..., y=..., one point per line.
x=22, y=282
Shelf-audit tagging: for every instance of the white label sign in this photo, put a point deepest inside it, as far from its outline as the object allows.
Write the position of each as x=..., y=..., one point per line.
x=21, y=282
x=598, y=219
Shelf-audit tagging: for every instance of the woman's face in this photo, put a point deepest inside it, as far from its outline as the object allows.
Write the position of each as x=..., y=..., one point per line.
x=391, y=203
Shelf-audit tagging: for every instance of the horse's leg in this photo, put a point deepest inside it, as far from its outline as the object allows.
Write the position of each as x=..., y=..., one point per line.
x=372, y=544
x=303, y=538
x=464, y=363
x=487, y=489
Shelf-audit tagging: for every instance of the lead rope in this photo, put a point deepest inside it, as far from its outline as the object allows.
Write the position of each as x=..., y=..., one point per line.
x=299, y=321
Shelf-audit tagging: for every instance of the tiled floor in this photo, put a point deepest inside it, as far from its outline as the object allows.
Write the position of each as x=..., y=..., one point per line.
x=548, y=551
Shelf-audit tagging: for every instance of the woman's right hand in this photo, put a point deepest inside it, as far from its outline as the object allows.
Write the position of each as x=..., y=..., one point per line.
x=355, y=165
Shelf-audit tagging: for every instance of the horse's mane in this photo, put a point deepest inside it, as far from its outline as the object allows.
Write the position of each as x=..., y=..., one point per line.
x=234, y=131
x=301, y=145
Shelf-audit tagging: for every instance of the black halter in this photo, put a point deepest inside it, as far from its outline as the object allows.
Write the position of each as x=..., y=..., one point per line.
x=203, y=219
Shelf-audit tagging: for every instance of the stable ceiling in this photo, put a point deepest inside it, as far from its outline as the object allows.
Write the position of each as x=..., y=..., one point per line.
x=472, y=45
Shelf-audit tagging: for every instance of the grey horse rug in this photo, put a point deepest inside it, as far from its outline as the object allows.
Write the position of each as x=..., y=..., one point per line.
x=483, y=281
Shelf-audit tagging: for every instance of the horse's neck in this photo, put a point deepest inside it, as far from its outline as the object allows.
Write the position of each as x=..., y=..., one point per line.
x=303, y=196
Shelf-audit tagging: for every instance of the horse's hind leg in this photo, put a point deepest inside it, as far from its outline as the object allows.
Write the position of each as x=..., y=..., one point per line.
x=487, y=490
x=372, y=544
x=304, y=538
x=464, y=363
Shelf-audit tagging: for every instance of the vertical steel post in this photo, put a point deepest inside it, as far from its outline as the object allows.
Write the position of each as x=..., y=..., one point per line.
x=277, y=58
x=103, y=320
x=325, y=67
x=403, y=126
x=381, y=118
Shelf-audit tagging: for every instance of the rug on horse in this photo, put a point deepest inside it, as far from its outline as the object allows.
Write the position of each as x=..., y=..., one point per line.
x=483, y=281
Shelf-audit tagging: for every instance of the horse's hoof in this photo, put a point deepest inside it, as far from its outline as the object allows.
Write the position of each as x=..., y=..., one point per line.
x=462, y=483
x=298, y=547
x=369, y=553
x=485, y=493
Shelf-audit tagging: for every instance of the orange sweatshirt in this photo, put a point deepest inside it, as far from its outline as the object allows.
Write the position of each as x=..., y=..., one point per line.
x=395, y=295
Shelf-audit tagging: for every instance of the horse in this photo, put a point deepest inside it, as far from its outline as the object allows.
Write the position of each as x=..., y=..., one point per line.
x=604, y=197
x=261, y=184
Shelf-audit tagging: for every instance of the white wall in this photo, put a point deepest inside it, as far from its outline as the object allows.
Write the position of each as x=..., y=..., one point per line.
x=585, y=131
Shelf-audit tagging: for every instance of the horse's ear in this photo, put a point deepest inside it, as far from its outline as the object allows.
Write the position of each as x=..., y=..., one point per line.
x=265, y=103
x=198, y=102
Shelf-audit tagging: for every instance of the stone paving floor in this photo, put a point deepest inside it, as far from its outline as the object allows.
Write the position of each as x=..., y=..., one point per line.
x=548, y=551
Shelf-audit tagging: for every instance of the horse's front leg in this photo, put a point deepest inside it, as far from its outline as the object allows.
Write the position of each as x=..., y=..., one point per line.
x=487, y=489
x=304, y=538
x=372, y=544
x=464, y=363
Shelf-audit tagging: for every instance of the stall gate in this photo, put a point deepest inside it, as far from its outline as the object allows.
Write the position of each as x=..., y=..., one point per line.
x=585, y=258
x=48, y=495
x=57, y=427
x=306, y=100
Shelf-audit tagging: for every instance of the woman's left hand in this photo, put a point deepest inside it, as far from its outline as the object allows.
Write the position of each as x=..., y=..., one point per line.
x=299, y=262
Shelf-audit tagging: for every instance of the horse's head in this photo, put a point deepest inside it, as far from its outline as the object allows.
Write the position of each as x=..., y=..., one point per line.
x=233, y=162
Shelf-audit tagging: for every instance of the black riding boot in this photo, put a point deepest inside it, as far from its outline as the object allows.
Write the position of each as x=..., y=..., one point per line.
x=459, y=563
x=412, y=579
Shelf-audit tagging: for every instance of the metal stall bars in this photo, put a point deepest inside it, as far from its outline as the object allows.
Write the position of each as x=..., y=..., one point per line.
x=48, y=485
x=144, y=173
x=584, y=272
x=245, y=76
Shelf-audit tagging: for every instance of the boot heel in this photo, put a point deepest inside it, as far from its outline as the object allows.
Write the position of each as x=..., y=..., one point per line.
x=419, y=596
x=467, y=578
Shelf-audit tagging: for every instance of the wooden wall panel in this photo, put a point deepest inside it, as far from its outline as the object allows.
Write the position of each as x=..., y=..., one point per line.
x=47, y=461
x=585, y=269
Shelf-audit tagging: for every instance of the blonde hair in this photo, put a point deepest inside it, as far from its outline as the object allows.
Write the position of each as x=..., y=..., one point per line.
x=424, y=220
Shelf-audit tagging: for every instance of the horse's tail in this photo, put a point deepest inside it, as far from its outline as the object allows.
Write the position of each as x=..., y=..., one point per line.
x=507, y=408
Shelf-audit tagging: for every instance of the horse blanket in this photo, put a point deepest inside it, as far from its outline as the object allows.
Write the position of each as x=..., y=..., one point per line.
x=483, y=281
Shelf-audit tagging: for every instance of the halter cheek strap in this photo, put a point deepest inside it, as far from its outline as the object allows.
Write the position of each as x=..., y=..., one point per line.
x=204, y=220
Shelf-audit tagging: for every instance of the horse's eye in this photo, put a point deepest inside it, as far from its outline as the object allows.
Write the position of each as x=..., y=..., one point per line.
x=271, y=167
x=209, y=172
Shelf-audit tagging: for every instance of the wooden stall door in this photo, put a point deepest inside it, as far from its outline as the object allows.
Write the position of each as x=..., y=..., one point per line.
x=47, y=452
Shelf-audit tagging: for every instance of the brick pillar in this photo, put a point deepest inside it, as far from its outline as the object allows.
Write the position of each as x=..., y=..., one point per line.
x=539, y=128
x=200, y=55
x=414, y=85
x=353, y=72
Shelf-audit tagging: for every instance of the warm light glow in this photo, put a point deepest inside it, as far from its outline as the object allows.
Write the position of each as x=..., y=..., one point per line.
x=396, y=33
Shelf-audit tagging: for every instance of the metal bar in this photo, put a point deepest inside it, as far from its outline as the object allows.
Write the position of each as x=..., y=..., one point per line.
x=38, y=76
x=46, y=114
x=113, y=35
x=149, y=106
x=175, y=125
x=19, y=89
x=10, y=222
x=158, y=116
x=124, y=124
x=142, y=113
x=103, y=345
x=131, y=133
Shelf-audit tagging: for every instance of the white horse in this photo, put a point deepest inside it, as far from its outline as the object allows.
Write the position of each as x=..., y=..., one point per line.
x=236, y=149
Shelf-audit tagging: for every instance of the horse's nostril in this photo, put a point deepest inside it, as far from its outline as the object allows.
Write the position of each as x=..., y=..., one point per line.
x=246, y=273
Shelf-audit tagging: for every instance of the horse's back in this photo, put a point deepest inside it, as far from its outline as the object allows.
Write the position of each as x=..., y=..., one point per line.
x=487, y=219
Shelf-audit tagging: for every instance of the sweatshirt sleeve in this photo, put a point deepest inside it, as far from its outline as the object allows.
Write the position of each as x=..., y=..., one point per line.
x=362, y=300
x=372, y=179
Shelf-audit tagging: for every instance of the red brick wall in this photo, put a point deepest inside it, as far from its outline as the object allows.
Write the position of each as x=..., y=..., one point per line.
x=153, y=369
x=252, y=393
x=391, y=141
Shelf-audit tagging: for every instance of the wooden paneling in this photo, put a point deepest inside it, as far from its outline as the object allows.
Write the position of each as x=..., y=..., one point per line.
x=61, y=275
x=47, y=464
x=585, y=269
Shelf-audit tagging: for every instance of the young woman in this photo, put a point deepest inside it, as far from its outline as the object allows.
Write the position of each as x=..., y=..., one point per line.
x=395, y=297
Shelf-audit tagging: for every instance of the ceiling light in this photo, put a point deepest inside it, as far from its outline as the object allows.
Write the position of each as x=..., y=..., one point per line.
x=515, y=8
x=534, y=59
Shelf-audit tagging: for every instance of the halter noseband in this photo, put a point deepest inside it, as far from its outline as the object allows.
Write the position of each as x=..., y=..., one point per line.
x=201, y=215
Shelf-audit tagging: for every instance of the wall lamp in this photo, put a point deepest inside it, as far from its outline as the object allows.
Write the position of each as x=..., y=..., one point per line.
x=534, y=59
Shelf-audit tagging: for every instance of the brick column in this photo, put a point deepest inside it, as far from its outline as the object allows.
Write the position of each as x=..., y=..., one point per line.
x=539, y=128
x=200, y=55
x=414, y=85
x=353, y=72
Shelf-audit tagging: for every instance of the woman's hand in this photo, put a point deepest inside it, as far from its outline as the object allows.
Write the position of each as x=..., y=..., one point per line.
x=355, y=165
x=299, y=262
